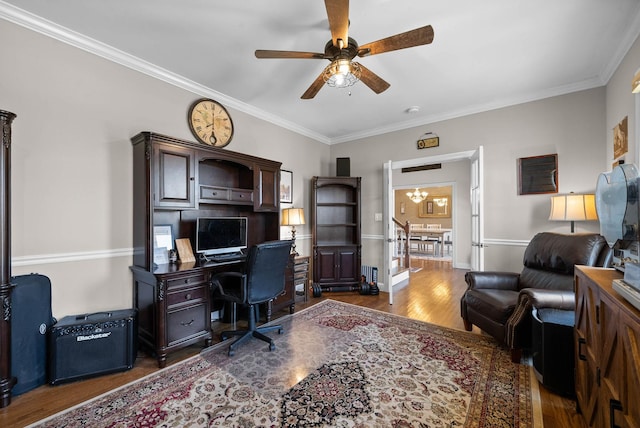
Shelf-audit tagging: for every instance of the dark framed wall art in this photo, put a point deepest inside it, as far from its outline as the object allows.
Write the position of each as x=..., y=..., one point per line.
x=538, y=174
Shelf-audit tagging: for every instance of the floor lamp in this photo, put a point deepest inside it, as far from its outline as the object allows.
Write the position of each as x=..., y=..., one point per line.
x=293, y=217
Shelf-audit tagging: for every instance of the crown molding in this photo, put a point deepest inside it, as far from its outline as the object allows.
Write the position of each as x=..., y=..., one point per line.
x=65, y=35
x=50, y=29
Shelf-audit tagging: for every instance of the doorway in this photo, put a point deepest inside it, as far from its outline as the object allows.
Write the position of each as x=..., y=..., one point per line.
x=429, y=215
x=469, y=231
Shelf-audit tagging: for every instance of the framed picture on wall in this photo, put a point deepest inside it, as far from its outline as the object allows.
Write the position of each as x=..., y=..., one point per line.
x=620, y=138
x=286, y=186
x=538, y=174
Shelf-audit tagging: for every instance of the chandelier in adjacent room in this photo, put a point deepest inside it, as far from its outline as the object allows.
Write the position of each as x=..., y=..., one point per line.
x=417, y=196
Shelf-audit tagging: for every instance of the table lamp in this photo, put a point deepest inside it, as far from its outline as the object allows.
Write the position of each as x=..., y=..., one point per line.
x=573, y=207
x=293, y=217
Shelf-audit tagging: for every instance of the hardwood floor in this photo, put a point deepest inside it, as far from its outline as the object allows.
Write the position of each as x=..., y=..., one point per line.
x=433, y=295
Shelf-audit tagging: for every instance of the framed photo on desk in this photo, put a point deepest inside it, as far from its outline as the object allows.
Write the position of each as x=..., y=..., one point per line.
x=162, y=243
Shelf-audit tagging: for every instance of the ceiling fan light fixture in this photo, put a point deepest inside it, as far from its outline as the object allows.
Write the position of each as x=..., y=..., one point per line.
x=342, y=73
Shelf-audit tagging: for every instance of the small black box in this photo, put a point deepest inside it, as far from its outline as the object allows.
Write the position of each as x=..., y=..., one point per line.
x=343, y=167
x=84, y=346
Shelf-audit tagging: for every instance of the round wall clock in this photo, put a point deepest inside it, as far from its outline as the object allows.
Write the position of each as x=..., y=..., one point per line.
x=210, y=123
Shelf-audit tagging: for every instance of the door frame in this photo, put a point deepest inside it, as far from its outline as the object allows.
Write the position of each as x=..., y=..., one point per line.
x=389, y=199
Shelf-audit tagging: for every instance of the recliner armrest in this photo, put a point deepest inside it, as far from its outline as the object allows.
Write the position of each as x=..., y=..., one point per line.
x=518, y=326
x=492, y=280
x=544, y=298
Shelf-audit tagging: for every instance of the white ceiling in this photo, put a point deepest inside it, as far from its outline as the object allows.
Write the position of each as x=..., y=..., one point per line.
x=485, y=54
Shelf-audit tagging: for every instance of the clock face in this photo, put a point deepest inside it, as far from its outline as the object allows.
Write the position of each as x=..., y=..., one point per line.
x=210, y=123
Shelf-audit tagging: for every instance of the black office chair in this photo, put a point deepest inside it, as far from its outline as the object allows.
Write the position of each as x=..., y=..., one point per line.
x=262, y=280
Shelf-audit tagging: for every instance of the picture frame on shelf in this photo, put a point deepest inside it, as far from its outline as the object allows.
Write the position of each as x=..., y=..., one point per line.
x=162, y=243
x=286, y=186
x=185, y=251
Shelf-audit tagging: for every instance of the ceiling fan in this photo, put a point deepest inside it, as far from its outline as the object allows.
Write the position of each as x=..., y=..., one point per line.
x=341, y=49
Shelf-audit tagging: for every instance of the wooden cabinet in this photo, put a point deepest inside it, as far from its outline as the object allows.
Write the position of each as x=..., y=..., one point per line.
x=607, y=348
x=173, y=308
x=336, y=233
x=174, y=183
x=336, y=265
x=174, y=177
x=267, y=178
x=297, y=273
x=299, y=276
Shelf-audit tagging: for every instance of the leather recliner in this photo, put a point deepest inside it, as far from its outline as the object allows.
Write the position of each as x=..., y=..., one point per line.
x=499, y=303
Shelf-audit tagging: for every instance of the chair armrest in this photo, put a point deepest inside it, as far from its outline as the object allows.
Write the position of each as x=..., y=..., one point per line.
x=492, y=280
x=543, y=298
x=230, y=286
x=518, y=326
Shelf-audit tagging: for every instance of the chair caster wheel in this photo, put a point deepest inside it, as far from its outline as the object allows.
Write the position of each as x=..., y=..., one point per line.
x=280, y=330
x=231, y=353
x=272, y=346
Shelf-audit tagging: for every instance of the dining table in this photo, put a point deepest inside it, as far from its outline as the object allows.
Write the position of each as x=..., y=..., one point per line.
x=426, y=233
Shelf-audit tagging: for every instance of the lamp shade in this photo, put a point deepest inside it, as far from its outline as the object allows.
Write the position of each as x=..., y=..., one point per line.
x=292, y=217
x=573, y=207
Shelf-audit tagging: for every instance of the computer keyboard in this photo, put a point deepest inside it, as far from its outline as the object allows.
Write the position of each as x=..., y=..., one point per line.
x=232, y=257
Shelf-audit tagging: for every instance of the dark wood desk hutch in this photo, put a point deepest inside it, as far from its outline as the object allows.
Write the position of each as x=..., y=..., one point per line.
x=7, y=381
x=336, y=234
x=174, y=183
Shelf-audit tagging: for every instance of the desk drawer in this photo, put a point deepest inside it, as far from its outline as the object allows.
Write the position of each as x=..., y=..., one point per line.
x=237, y=195
x=185, y=281
x=185, y=323
x=187, y=296
x=300, y=275
x=301, y=267
x=213, y=194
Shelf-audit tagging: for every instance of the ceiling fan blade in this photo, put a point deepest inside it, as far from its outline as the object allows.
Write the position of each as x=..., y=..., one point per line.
x=372, y=80
x=289, y=54
x=314, y=88
x=338, y=14
x=409, y=39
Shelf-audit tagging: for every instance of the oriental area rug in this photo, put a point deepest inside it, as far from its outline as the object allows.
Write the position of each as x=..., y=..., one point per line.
x=336, y=365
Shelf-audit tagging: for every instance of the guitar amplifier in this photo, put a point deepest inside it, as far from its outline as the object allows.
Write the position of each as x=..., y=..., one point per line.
x=89, y=345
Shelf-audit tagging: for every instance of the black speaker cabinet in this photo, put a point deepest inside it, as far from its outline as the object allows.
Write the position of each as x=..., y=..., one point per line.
x=343, y=167
x=84, y=346
x=31, y=319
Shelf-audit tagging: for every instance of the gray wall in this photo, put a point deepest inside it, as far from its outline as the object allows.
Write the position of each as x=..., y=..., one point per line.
x=573, y=126
x=72, y=178
x=72, y=163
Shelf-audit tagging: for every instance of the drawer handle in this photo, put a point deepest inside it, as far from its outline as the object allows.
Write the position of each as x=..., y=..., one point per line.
x=241, y=195
x=214, y=193
x=187, y=324
x=188, y=296
x=186, y=281
x=581, y=342
x=613, y=406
